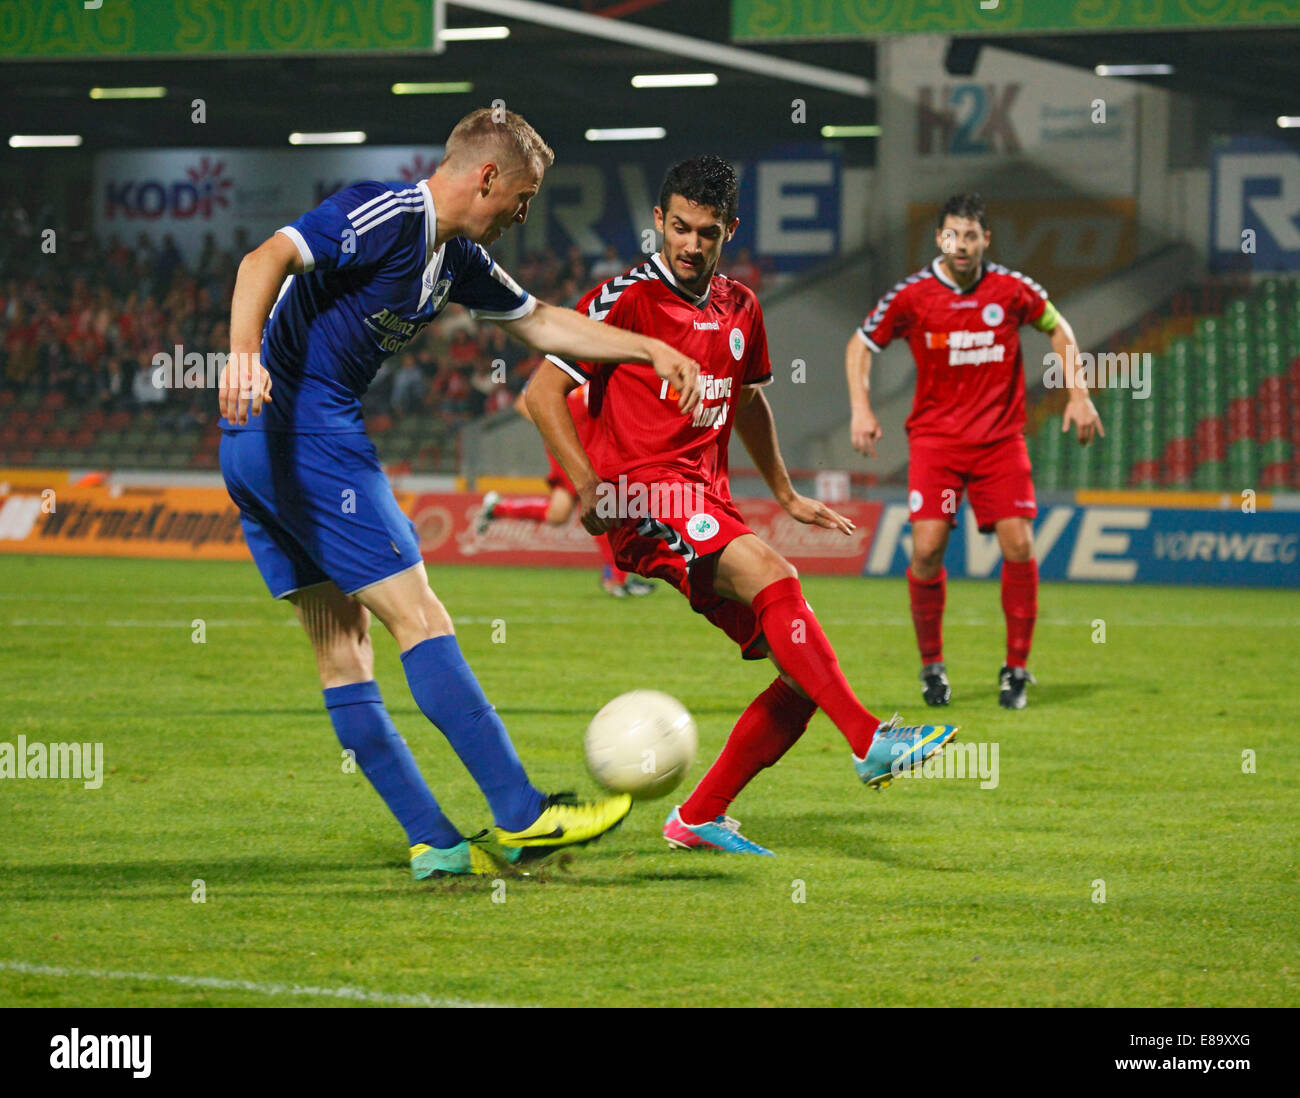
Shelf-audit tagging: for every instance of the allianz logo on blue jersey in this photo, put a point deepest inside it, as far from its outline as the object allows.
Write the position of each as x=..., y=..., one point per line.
x=391, y=331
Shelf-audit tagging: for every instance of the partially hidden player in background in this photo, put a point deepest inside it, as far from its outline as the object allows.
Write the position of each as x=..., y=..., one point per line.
x=557, y=508
x=961, y=316
x=694, y=537
x=345, y=286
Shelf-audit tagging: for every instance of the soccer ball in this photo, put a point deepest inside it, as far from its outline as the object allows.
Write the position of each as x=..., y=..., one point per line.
x=641, y=743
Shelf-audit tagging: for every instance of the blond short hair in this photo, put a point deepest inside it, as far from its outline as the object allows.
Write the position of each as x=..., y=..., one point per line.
x=495, y=131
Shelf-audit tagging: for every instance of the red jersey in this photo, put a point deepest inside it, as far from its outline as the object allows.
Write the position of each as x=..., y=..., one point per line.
x=636, y=428
x=970, y=374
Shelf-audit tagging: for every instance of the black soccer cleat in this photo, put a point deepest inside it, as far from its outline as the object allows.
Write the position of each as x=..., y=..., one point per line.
x=934, y=684
x=1011, y=686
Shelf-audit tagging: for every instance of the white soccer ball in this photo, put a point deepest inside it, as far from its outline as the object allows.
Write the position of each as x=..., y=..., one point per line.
x=641, y=743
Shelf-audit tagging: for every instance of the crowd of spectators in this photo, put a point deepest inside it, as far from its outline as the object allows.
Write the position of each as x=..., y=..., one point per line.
x=86, y=318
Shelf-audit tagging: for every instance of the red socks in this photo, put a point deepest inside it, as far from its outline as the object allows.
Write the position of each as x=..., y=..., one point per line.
x=803, y=652
x=927, y=613
x=766, y=730
x=522, y=507
x=1020, y=605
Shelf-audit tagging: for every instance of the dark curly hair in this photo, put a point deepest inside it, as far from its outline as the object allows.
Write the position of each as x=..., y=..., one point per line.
x=705, y=180
x=965, y=206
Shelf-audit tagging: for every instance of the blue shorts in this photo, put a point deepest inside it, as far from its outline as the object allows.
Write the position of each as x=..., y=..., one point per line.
x=316, y=508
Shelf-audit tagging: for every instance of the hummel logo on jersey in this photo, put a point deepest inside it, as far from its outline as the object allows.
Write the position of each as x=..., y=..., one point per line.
x=706, y=326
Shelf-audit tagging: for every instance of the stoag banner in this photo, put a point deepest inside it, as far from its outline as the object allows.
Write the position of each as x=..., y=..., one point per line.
x=1119, y=545
x=159, y=28
x=774, y=19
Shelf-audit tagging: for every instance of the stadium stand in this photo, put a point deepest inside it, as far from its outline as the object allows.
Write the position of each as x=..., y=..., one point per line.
x=1223, y=409
x=78, y=336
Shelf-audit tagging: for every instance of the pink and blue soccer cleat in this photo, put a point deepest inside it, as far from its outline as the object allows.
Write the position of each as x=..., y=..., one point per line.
x=722, y=833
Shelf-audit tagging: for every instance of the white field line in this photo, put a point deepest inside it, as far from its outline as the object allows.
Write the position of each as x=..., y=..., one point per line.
x=965, y=621
x=216, y=983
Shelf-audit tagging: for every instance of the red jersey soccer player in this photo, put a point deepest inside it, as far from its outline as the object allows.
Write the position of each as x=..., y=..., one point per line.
x=556, y=509
x=961, y=318
x=688, y=531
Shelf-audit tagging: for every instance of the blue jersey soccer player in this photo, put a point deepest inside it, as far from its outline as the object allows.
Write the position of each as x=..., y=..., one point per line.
x=356, y=279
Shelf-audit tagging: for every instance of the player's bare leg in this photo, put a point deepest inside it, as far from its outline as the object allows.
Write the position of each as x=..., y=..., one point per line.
x=559, y=507
x=338, y=627
x=408, y=608
x=1019, y=606
x=927, y=588
x=554, y=510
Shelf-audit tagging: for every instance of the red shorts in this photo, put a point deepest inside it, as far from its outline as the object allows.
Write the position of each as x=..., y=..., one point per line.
x=997, y=478
x=680, y=544
x=557, y=478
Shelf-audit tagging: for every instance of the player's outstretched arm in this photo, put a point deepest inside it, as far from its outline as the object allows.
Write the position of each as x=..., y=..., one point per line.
x=864, y=428
x=245, y=383
x=1080, y=411
x=757, y=430
x=563, y=332
x=548, y=407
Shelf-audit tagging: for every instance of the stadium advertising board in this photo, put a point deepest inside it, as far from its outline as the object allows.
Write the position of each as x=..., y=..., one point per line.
x=1076, y=133
x=790, y=205
x=1063, y=245
x=195, y=28
x=1119, y=545
x=189, y=193
x=101, y=521
x=1074, y=541
x=790, y=198
x=1255, y=205
x=776, y=19
x=445, y=522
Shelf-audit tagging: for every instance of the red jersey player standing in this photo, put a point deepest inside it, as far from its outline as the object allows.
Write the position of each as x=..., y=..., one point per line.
x=961, y=318
x=657, y=482
x=556, y=509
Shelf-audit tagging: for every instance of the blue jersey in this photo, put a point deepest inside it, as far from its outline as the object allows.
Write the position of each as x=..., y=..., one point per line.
x=373, y=281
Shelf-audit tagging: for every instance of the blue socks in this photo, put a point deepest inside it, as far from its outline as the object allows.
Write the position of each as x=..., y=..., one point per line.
x=448, y=694
x=364, y=727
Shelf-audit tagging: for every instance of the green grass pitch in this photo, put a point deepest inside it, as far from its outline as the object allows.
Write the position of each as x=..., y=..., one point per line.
x=1128, y=768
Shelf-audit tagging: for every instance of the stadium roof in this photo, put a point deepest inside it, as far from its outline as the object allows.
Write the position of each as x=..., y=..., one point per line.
x=567, y=83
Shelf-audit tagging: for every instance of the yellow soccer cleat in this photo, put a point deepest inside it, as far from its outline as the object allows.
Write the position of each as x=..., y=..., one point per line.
x=564, y=822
